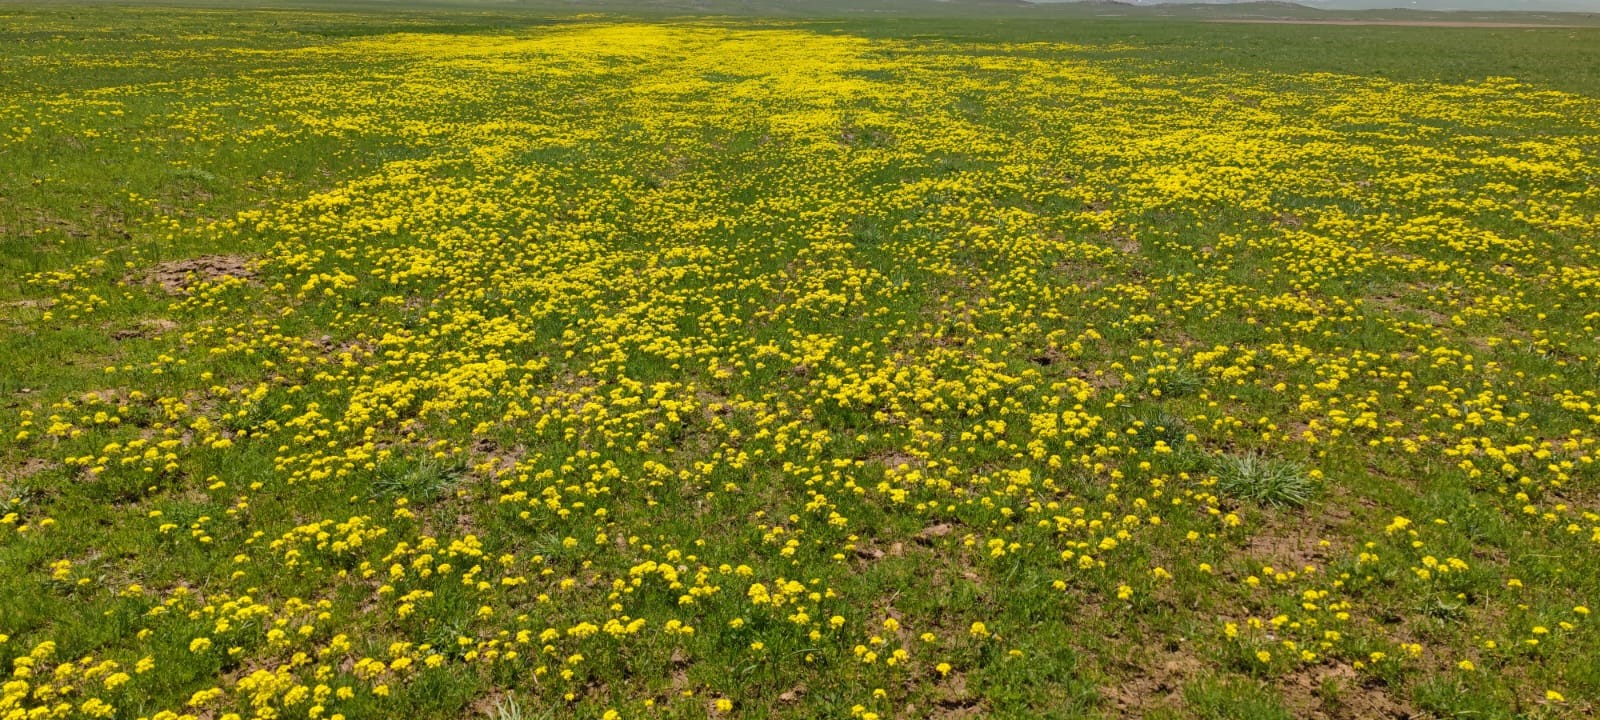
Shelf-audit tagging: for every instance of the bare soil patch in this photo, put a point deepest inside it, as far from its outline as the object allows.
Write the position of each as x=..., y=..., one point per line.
x=178, y=276
x=148, y=328
x=1337, y=692
x=1156, y=684
x=24, y=470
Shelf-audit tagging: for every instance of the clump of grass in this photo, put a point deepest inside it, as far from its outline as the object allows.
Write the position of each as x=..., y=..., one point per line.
x=14, y=499
x=1177, y=382
x=507, y=709
x=195, y=175
x=510, y=709
x=1257, y=478
x=420, y=481
x=444, y=636
x=1151, y=425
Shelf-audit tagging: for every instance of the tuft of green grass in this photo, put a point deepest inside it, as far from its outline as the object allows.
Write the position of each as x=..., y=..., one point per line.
x=507, y=709
x=1264, y=480
x=418, y=481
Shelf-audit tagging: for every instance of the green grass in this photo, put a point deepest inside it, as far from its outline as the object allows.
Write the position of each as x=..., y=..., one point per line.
x=935, y=361
x=1264, y=480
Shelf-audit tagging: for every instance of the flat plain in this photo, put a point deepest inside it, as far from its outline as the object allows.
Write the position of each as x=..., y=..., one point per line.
x=607, y=362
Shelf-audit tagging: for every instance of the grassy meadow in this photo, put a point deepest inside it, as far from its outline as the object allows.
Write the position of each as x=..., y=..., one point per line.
x=573, y=361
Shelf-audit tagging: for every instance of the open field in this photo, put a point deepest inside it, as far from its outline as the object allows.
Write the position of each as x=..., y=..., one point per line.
x=530, y=363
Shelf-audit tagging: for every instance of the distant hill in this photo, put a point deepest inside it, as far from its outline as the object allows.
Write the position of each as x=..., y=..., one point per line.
x=1592, y=6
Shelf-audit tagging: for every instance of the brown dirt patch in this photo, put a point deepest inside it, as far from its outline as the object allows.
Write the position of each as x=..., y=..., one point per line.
x=1336, y=692
x=1121, y=240
x=955, y=701
x=1288, y=551
x=150, y=328
x=952, y=710
x=12, y=475
x=933, y=532
x=492, y=461
x=178, y=276
x=1157, y=683
x=869, y=553
x=29, y=303
x=495, y=704
x=28, y=468
x=1098, y=379
x=893, y=461
x=1395, y=305
x=1293, y=544
x=793, y=695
